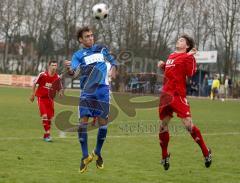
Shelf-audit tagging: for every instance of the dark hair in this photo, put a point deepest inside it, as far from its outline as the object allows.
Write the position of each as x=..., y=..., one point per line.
x=82, y=30
x=189, y=40
x=51, y=61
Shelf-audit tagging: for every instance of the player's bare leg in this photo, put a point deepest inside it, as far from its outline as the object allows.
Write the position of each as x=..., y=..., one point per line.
x=196, y=135
x=164, y=139
x=102, y=133
x=83, y=137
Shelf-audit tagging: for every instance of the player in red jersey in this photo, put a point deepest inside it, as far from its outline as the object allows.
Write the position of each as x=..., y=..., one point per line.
x=44, y=88
x=179, y=65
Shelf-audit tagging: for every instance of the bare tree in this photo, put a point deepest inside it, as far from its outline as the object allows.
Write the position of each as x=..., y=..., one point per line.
x=146, y=27
x=41, y=24
x=8, y=23
x=199, y=21
x=167, y=25
x=68, y=12
x=226, y=27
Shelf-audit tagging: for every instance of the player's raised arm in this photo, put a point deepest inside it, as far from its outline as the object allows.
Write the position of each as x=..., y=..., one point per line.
x=193, y=51
x=67, y=64
x=73, y=66
x=161, y=64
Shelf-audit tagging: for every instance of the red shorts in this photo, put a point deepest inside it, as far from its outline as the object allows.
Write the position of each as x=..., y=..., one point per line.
x=46, y=107
x=178, y=105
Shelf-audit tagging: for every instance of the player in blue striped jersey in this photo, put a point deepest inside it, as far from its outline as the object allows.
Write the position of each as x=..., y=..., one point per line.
x=94, y=64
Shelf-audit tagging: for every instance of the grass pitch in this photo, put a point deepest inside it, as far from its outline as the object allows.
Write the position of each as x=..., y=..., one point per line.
x=131, y=152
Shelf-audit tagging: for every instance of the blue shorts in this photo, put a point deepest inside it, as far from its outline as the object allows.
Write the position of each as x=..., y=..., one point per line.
x=95, y=104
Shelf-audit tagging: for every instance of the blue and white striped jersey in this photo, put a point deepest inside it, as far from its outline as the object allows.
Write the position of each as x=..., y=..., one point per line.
x=94, y=64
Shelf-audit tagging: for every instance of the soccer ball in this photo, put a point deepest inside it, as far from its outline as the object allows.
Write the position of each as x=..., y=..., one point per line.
x=100, y=11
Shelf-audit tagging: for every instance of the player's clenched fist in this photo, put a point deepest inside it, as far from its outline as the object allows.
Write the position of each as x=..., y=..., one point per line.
x=67, y=64
x=193, y=51
x=161, y=64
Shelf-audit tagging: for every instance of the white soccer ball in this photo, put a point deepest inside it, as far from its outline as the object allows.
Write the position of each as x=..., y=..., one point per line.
x=100, y=11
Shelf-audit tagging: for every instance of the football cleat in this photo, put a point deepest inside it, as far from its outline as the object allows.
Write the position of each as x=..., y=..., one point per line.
x=47, y=139
x=208, y=159
x=84, y=163
x=165, y=162
x=99, y=160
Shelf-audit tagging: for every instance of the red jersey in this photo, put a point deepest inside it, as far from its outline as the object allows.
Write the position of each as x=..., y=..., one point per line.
x=176, y=69
x=47, y=85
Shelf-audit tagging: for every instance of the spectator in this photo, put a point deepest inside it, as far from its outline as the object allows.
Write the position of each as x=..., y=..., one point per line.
x=194, y=89
x=229, y=87
x=189, y=83
x=153, y=81
x=210, y=81
x=205, y=86
x=127, y=82
x=134, y=83
x=215, y=87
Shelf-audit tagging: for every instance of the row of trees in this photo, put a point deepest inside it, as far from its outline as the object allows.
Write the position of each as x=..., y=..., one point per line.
x=148, y=28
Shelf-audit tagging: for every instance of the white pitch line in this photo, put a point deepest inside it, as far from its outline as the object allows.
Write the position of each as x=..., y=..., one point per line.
x=119, y=136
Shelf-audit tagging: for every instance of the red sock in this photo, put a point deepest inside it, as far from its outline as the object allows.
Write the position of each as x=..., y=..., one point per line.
x=46, y=126
x=196, y=135
x=164, y=139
